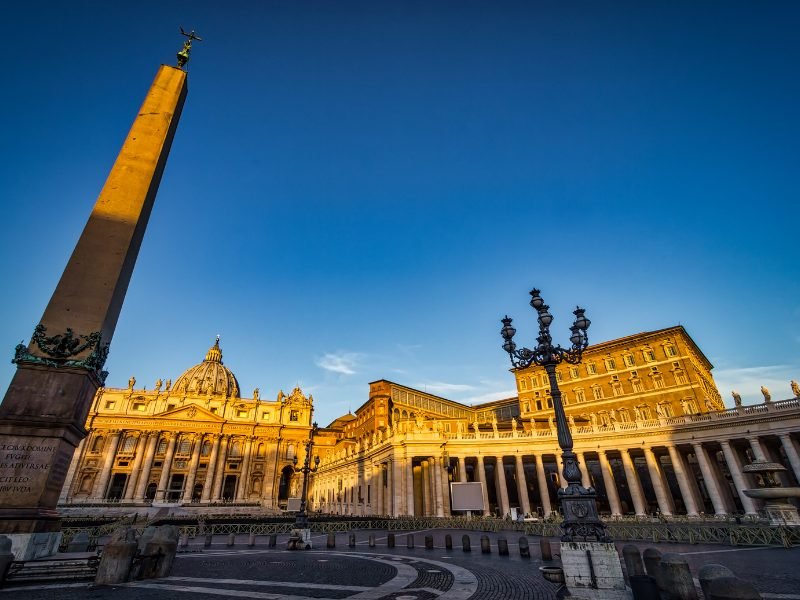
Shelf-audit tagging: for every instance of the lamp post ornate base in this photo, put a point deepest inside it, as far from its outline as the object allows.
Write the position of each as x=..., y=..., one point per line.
x=300, y=536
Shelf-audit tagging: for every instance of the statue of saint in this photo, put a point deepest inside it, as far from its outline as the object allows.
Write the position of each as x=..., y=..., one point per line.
x=571, y=421
x=494, y=424
x=168, y=386
x=256, y=394
x=638, y=413
x=795, y=388
x=475, y=427
x=513, y=424
x=660, y=410
x=131, y=382
x=765, y=392
x=737, y=399
x=158, y=385
x=613, y=415
x=550, y=423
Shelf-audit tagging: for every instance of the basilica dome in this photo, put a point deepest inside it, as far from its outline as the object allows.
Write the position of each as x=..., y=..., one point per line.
x=210, y=377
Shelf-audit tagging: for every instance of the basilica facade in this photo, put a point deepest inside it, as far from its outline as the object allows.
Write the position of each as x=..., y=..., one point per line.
x=650, y=428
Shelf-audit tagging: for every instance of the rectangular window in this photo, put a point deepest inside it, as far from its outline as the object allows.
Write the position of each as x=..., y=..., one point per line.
x=579, y=396
x=558, y=376
x=170, y=406
x=241, y=413
x=573, y=372
x=534, y=380
x=139, y=406
x=523, y=385
x=637, y=385
x=538, y=405
x=671, y=351
x=265, y=416
x=649, y=355
x=549, y=403
x=611, y=364
x=110, y=404
x=629, y=362
x=591, y=368
x=213, y=409
x=680, y=378
x=294, y=416
x=598, y=393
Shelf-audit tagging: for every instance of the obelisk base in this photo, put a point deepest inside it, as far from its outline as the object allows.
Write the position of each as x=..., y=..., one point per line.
x=37, y=440
x=592, y=571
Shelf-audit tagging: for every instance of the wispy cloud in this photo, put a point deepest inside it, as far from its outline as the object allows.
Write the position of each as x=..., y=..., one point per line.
x=440, y=387
x=491, y=396
x=748, y=381
x=344, y=363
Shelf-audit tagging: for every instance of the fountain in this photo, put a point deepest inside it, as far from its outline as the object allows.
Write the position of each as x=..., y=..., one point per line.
x=776, y=498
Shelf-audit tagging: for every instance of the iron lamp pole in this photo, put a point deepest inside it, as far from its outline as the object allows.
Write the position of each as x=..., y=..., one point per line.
x=578, y=504
x=301, y=520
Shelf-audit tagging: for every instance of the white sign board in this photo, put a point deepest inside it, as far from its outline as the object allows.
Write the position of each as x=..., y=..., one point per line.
x=467, y=495
x=293, y=504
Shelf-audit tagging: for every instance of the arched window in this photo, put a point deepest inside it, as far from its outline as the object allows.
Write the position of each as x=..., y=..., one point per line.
x=129, y=444
x=290, y=451
x=236, y=449
x=99, y=442
x=261, y=451
x=205, y=449
x=184, y=446
x=162, y=447
x=86, y=484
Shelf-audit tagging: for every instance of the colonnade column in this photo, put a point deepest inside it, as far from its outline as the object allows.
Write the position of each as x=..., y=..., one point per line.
x=219, y=467
x=791, y=453
x=244, y=480
x=522, y=487
x=410, y=486
x=462, y=476
x=109, y=452
x=163, y=482
x=657, y=479
x=427, y=489
x=544, y=491
x=484, y=488
x=188, y=490
x=502, y=488
x=212, y=469
x=141, y=483
x=437, y=484
x=687, y=493
x=378, y=489
x=396, y=488
x=735, y=468
x=610, y=484
x=709, y=479
x=758, y=451
x=635, y=487
x=445, y=477
x=586, y=477
x=137, y=466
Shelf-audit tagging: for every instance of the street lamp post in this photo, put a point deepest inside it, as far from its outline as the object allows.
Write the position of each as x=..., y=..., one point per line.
x=578, y=504
x=301, y=520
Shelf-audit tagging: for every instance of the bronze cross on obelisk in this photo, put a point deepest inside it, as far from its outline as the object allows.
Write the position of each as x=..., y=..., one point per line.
x=183, y=55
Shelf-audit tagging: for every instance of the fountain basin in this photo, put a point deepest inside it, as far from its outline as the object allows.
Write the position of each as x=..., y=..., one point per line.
x=773, y=493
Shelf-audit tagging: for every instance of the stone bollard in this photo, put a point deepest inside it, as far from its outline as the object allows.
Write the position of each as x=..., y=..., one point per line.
x=652, y=564
x=390, y=540
x=351, y=540
x=331, y=541
x=184, y=540
x=428, y=542
x=502, y=546
x=409, y=540
x=633, y=561
x=79, y=542
x=448, y=542
x=546, y=550
x=6, y=557
x=709, y=572
x=231, y=539
x=207, y=543
x=524, y=549
x=117, y=559
x=677, y=577
x=643, y=587
x=731, y=588
x=486, y=548
x=465, y=543
x=273, y=540
x=252, y=540
x=161, y=550
x=371, y=540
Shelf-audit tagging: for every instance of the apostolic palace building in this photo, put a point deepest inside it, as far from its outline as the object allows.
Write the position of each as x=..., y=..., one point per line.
x=649, y=426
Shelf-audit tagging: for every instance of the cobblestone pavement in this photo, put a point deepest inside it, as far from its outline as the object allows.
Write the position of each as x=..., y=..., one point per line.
x=400, y=573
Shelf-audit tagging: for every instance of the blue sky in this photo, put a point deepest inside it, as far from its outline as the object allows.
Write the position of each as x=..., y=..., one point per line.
x=360, y=190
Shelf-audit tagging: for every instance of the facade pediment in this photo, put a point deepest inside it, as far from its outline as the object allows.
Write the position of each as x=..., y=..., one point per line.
x=190, y=413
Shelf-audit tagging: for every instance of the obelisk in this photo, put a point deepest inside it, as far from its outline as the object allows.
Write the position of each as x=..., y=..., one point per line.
x=43, y=413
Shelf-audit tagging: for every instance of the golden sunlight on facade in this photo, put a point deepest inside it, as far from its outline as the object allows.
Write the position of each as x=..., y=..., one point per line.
x=650, y=429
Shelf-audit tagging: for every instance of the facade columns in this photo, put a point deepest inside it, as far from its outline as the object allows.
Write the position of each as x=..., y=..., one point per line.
x=735, y=468
x=244, y=480
x=544, y=491
x=657, y=479
x=791, y=453
x=462, y=477
x=219, y=467
x=687, y=493
x=634, y=485
x=484, y=488
x=211, y=471
x=522, y=487
x=163, y=482
x=427, y=491
x=109, y=452
x=130, y=489
x=610, y=485
x=188, y=491
x=396, y=488
x=709, y=478
x=502, y=488
x=141, y=483
x=758, y=450
x=410, y=486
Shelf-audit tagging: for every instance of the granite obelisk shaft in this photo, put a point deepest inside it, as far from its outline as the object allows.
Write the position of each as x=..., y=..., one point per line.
x=44, y=410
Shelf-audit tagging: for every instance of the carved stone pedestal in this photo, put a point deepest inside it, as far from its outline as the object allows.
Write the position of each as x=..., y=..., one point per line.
x=592, y=571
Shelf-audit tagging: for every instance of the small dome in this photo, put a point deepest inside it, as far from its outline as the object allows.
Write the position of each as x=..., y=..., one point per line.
x=209, y=377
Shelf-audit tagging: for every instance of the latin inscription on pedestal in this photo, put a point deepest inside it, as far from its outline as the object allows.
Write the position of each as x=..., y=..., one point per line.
x=27, y=466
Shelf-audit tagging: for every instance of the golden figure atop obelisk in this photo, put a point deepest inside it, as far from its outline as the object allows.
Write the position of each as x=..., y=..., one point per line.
x=183, y=54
